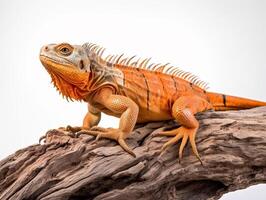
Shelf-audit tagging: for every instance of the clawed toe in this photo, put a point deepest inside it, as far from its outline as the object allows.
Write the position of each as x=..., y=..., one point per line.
x=124, y=145
x=171, y=142
x=98, y=128
x=73, y=129
x=109, y=133
x=42, y=138
x=181, y=133
x=88, y=132
x=95, y=131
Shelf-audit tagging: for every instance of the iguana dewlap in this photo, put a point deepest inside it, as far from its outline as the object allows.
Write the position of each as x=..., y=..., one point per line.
x=133, y=90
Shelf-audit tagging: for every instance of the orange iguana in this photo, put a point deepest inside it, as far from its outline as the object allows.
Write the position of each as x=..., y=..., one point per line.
x=133, y=90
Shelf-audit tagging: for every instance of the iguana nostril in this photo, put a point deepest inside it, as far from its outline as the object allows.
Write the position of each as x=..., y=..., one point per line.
x=46, y=48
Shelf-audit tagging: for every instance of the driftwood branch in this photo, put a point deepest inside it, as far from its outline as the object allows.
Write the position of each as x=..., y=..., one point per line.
x=232, y=146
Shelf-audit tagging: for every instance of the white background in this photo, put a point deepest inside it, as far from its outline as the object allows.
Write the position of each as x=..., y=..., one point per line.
x=221, y=41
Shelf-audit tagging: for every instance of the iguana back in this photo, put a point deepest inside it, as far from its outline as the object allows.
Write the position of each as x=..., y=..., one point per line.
x=155, y=87
x=154, y=91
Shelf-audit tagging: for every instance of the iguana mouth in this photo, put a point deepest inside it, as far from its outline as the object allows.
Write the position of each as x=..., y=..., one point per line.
x=50, y=63
x=65, y=77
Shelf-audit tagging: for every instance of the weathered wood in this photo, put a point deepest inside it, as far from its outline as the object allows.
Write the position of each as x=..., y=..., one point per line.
x=232, y=146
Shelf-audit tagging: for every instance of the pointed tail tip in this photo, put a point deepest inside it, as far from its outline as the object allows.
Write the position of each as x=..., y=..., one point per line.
x=222, y=102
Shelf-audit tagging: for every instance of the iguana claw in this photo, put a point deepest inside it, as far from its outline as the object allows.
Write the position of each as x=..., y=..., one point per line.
x=41, y=138
x=184, y=134
x=72, y=129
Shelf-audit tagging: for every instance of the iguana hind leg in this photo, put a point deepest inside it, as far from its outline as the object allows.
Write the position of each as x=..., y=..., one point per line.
x=183, y=111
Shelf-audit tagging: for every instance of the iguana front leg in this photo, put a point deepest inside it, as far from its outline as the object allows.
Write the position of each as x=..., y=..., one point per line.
x=92, y=118
x=183, y=111
x=118, y=105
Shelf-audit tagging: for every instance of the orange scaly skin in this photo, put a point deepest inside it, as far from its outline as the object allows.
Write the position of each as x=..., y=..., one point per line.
x=133, y=91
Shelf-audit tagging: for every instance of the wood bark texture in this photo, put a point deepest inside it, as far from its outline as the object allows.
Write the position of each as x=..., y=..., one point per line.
x=232, y=146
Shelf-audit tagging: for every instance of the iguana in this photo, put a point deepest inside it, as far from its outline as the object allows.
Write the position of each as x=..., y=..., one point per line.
x=134, y=90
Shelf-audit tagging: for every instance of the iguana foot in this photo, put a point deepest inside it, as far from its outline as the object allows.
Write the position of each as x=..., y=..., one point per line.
x=110, y=133
x=185, y=134
x=72, y=130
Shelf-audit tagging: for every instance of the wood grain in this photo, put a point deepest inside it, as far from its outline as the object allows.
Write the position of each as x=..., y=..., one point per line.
x=232, y=145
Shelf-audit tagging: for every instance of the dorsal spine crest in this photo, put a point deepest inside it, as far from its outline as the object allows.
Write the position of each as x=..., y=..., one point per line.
x=114, y=60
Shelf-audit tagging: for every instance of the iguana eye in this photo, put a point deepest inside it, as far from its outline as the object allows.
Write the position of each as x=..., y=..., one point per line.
x=65, y=49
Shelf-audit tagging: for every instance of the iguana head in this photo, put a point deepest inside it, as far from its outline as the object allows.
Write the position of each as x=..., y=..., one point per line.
x=69, y=67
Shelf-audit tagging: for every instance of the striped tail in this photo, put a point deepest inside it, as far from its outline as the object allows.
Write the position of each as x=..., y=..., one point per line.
x=226, y=102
